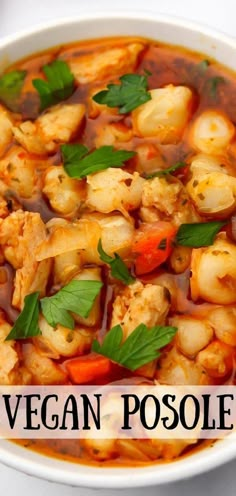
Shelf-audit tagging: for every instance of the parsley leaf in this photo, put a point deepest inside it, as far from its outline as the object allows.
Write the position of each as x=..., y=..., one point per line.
x=128, y=95
x=59, y=85
x=78, y=162
x=10, y=89
x=26, y=325
x=203, y=65
x=199, y=234
x=165, y=172
x=118, y=267
x=214, y=82
x=77, y=297
x=139, y=348
x=163, y=244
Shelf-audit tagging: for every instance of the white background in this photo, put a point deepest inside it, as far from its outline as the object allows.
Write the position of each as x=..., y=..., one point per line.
x=18, y=14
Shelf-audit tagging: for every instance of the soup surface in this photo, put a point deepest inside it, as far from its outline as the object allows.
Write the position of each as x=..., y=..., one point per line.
x=117, y=218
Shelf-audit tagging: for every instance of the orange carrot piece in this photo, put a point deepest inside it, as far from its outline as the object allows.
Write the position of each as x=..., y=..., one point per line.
x=88, y=368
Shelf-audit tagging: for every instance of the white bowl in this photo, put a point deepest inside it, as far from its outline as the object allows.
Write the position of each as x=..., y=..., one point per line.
x=169, y=30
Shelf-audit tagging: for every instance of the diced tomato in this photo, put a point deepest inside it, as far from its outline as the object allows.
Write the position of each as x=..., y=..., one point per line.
x=152, y=245
x=182, y=173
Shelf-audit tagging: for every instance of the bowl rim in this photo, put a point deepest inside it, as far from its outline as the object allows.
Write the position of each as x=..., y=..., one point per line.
x=149, y=14
x=113, y=477
x=118, y=477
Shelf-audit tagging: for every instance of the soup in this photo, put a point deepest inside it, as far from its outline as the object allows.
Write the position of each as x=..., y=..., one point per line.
x=118, y=199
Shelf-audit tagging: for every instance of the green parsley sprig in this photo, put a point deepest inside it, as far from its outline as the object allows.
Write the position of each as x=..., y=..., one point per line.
x=77, y=297
x=203, y=65
x=128, y=95
x=165, y=172
x=11, y=85
x=214, y=83
x=78, y=162
x=198, y=234
x=26, y=325
x=141, y=347
x=118, y=268
x=59, y=85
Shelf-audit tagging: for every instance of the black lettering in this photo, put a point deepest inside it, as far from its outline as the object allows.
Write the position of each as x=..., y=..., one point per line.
x=70, y=408
x=127, y=410
x=87, y=407
x=182, y=409
x=11, y=416
x=143, y=411
x=224, y=412
x=30, y=412
x=44, y=415
x=206, y=411
x=165, y=400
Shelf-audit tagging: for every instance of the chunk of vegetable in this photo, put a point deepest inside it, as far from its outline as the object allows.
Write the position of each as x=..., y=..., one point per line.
x=216, y=359
x=107, y=63
x=193, y=334
x=89, y=368
x=5, y=129
x=149, y=304
x=166, y=198
x=165, y=115
x=57, y=125
x=114, y=189
x=212, y=131
x=66, y=195
x=214, y=272
x=152, y=245
x=211, y=188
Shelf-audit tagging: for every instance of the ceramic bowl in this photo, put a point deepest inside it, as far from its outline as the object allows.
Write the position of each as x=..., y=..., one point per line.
x=168, y=30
